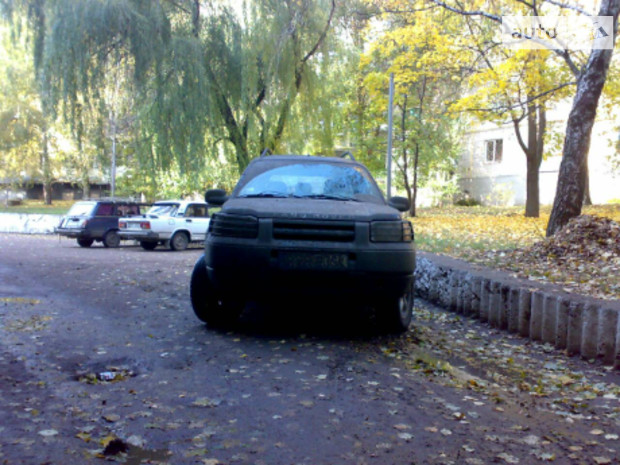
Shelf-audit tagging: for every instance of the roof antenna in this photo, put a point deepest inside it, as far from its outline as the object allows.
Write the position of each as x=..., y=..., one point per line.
x=267, y=151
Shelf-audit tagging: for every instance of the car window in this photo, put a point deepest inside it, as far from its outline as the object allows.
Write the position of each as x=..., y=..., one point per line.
x=81, y=209
x=168, y=209
x=128, y=210
x=318, y=180
x=196, y=211
x=105, y=209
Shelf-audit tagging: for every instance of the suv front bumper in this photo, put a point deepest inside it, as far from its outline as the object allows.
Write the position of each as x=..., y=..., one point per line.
x=255, y=270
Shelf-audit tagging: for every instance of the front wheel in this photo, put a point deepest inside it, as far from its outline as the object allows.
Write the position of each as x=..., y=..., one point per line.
x=85, y=242
x=397, y=312
x=179, y=241
x=111, y=239
x=205, y=302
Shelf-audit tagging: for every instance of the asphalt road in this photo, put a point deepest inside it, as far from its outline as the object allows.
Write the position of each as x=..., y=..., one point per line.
x=101, y=357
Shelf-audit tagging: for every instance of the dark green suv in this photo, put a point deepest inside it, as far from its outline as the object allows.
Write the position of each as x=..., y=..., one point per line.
x=303, y=227
x=96, y=220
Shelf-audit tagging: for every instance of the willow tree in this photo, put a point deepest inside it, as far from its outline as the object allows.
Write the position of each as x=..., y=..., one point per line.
x=21, y=119
x=33, y=14
x=206, y=80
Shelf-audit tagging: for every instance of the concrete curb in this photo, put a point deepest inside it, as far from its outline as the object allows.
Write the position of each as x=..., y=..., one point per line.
x=578, y=324
x=27, y=223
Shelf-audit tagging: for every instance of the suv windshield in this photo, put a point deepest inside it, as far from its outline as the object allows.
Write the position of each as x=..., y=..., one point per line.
x=82, y=209
x=313, y=180
x=168, y=209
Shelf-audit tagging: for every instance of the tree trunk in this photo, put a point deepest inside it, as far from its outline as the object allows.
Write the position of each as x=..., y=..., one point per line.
x=46, y=169
x=537, y=123
x=587, y=199
x=572, y=177
x=532, y=200
x=85, y=187
x=536, y=127
x=416, y=160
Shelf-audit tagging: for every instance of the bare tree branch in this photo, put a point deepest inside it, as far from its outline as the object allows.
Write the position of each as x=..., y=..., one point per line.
x=568, y=7
x=497, y=19
x=506, y=108
x=322, y=36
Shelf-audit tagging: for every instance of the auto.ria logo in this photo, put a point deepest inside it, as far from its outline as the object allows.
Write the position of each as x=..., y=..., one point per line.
x=558, y=32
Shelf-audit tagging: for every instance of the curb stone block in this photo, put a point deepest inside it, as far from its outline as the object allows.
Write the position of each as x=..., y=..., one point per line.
x=513, y=310
x=562, y=323
x=485, y=289
x=504, y=307
x=575, y=324
x=525, y=312
x=466, y=294
x=589, y=335
x=549, y=322
x=607, y=328
x=495, y=303
x=616, y=361
x=453, y=290
x=476, y=285
x=536, y=316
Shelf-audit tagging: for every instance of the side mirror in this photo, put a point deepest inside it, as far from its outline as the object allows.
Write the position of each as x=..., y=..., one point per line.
x=216, y=197
x=401, y=204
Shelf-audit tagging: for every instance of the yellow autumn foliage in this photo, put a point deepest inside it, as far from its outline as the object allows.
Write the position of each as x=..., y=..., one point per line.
x=462, y=232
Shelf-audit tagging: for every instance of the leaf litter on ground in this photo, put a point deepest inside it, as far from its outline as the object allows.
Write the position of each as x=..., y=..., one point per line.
x=583, y=257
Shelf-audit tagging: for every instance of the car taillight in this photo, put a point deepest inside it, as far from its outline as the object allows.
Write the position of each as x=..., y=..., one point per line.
x=84, y=223
x=122, y=224
x=227, y=225
x=391, y=231
x=145, y=225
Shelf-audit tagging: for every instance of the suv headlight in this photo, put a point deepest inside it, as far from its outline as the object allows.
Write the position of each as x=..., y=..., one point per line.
x=391, y=231
x=227, y=225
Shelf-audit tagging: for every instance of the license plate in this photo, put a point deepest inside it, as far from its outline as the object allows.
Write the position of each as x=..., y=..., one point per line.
x=312, y=261
x=73, y=224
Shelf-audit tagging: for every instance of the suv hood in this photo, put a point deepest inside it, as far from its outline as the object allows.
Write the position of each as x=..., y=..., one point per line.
x=310, y=209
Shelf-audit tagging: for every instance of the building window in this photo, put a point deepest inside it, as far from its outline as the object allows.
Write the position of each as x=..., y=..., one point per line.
x=494, y=149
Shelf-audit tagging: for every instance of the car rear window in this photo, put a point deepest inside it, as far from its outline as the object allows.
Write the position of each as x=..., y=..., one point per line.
x=163, y=209
x=81, y=209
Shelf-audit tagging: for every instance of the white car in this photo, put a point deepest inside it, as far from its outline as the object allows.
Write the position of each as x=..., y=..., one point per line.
x=174, y=223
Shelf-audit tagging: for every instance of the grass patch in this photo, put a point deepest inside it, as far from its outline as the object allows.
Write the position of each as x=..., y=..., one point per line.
x=58, y=207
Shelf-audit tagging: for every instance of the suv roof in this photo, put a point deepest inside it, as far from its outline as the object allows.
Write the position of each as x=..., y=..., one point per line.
x=311, y=158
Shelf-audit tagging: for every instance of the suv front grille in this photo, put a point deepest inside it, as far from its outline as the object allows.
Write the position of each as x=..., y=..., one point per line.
x=227, y=225
x=309, y=230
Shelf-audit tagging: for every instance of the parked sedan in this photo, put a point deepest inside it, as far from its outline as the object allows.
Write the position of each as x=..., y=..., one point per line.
x=96, y=220
x=174, y=223
x=305, y=226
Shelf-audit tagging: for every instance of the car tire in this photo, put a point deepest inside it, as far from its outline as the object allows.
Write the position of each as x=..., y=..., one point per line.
x=205, y=302
x=179, y=241
x=85, y=242
x=111, y=239
x=396, y=314
x=147, y=245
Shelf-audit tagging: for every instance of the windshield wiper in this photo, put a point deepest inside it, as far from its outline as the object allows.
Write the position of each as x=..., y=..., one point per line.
x=277, y=195
x=325, y=197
